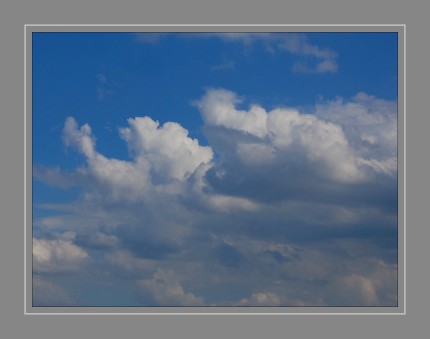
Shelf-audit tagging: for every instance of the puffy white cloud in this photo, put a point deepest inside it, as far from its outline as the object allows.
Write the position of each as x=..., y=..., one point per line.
x=323, y=143
x=56, y=255
x=169, y=150
x=166, y=290
x=165, y=163
x=369, y=123
x=218, y=109
x=324, y=140
x=162, y=156
x=80, y=138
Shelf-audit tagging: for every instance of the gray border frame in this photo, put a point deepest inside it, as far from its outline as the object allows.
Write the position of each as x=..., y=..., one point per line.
x=400, y=309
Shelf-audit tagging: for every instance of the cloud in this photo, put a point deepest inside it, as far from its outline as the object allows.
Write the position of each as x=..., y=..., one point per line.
x=169, y=150
x=126, y=261
x=224, y=65
x=284, y=207
x=46, y=293
x=55, y=176
x=80, y=138
x=218, y=109
x=261, y=299
x=104, y=87
x=165, y=163
x=315, y=59
x=325, y=143
x=161, y=156
x=56, y=255
x=166, y=290
x=299, y=44
x=375, y=288
x=322, y=60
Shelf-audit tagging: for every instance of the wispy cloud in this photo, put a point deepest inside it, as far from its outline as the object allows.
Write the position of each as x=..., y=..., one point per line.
x=323, y=59
x=313, y=58
x=225, y=65
x=104, y=88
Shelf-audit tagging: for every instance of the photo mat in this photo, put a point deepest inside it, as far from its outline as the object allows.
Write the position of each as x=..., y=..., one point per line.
x=250, y=186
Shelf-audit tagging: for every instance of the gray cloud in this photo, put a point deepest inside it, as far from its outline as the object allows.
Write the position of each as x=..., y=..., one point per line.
x=283, y=208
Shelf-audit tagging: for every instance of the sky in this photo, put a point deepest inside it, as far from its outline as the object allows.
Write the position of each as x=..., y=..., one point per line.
x=214, y=169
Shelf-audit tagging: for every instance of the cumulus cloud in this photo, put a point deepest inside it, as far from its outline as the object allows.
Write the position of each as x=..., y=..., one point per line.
x=166, y=290
x=169, y=150
x=161, y=155
x=370, y=123
x=165, y=163
x=80, y=138
x=326, y=141
x=374, y=287
x=284, y=207
x=56, y=255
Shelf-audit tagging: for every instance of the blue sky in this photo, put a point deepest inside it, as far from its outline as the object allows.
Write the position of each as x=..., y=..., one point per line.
x=239, y=169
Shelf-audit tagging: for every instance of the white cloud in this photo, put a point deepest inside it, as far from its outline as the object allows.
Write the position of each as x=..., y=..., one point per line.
x=166, y=290
x=169, y=150
x=369, y=123
x=284, y=134
x=324, y=143
x=165, y=163
x=56, y=255
x=80, y=138
x=162, y=156
x=218, y=109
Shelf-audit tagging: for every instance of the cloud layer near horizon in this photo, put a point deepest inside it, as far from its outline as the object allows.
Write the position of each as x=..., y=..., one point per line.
x=282, y=207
